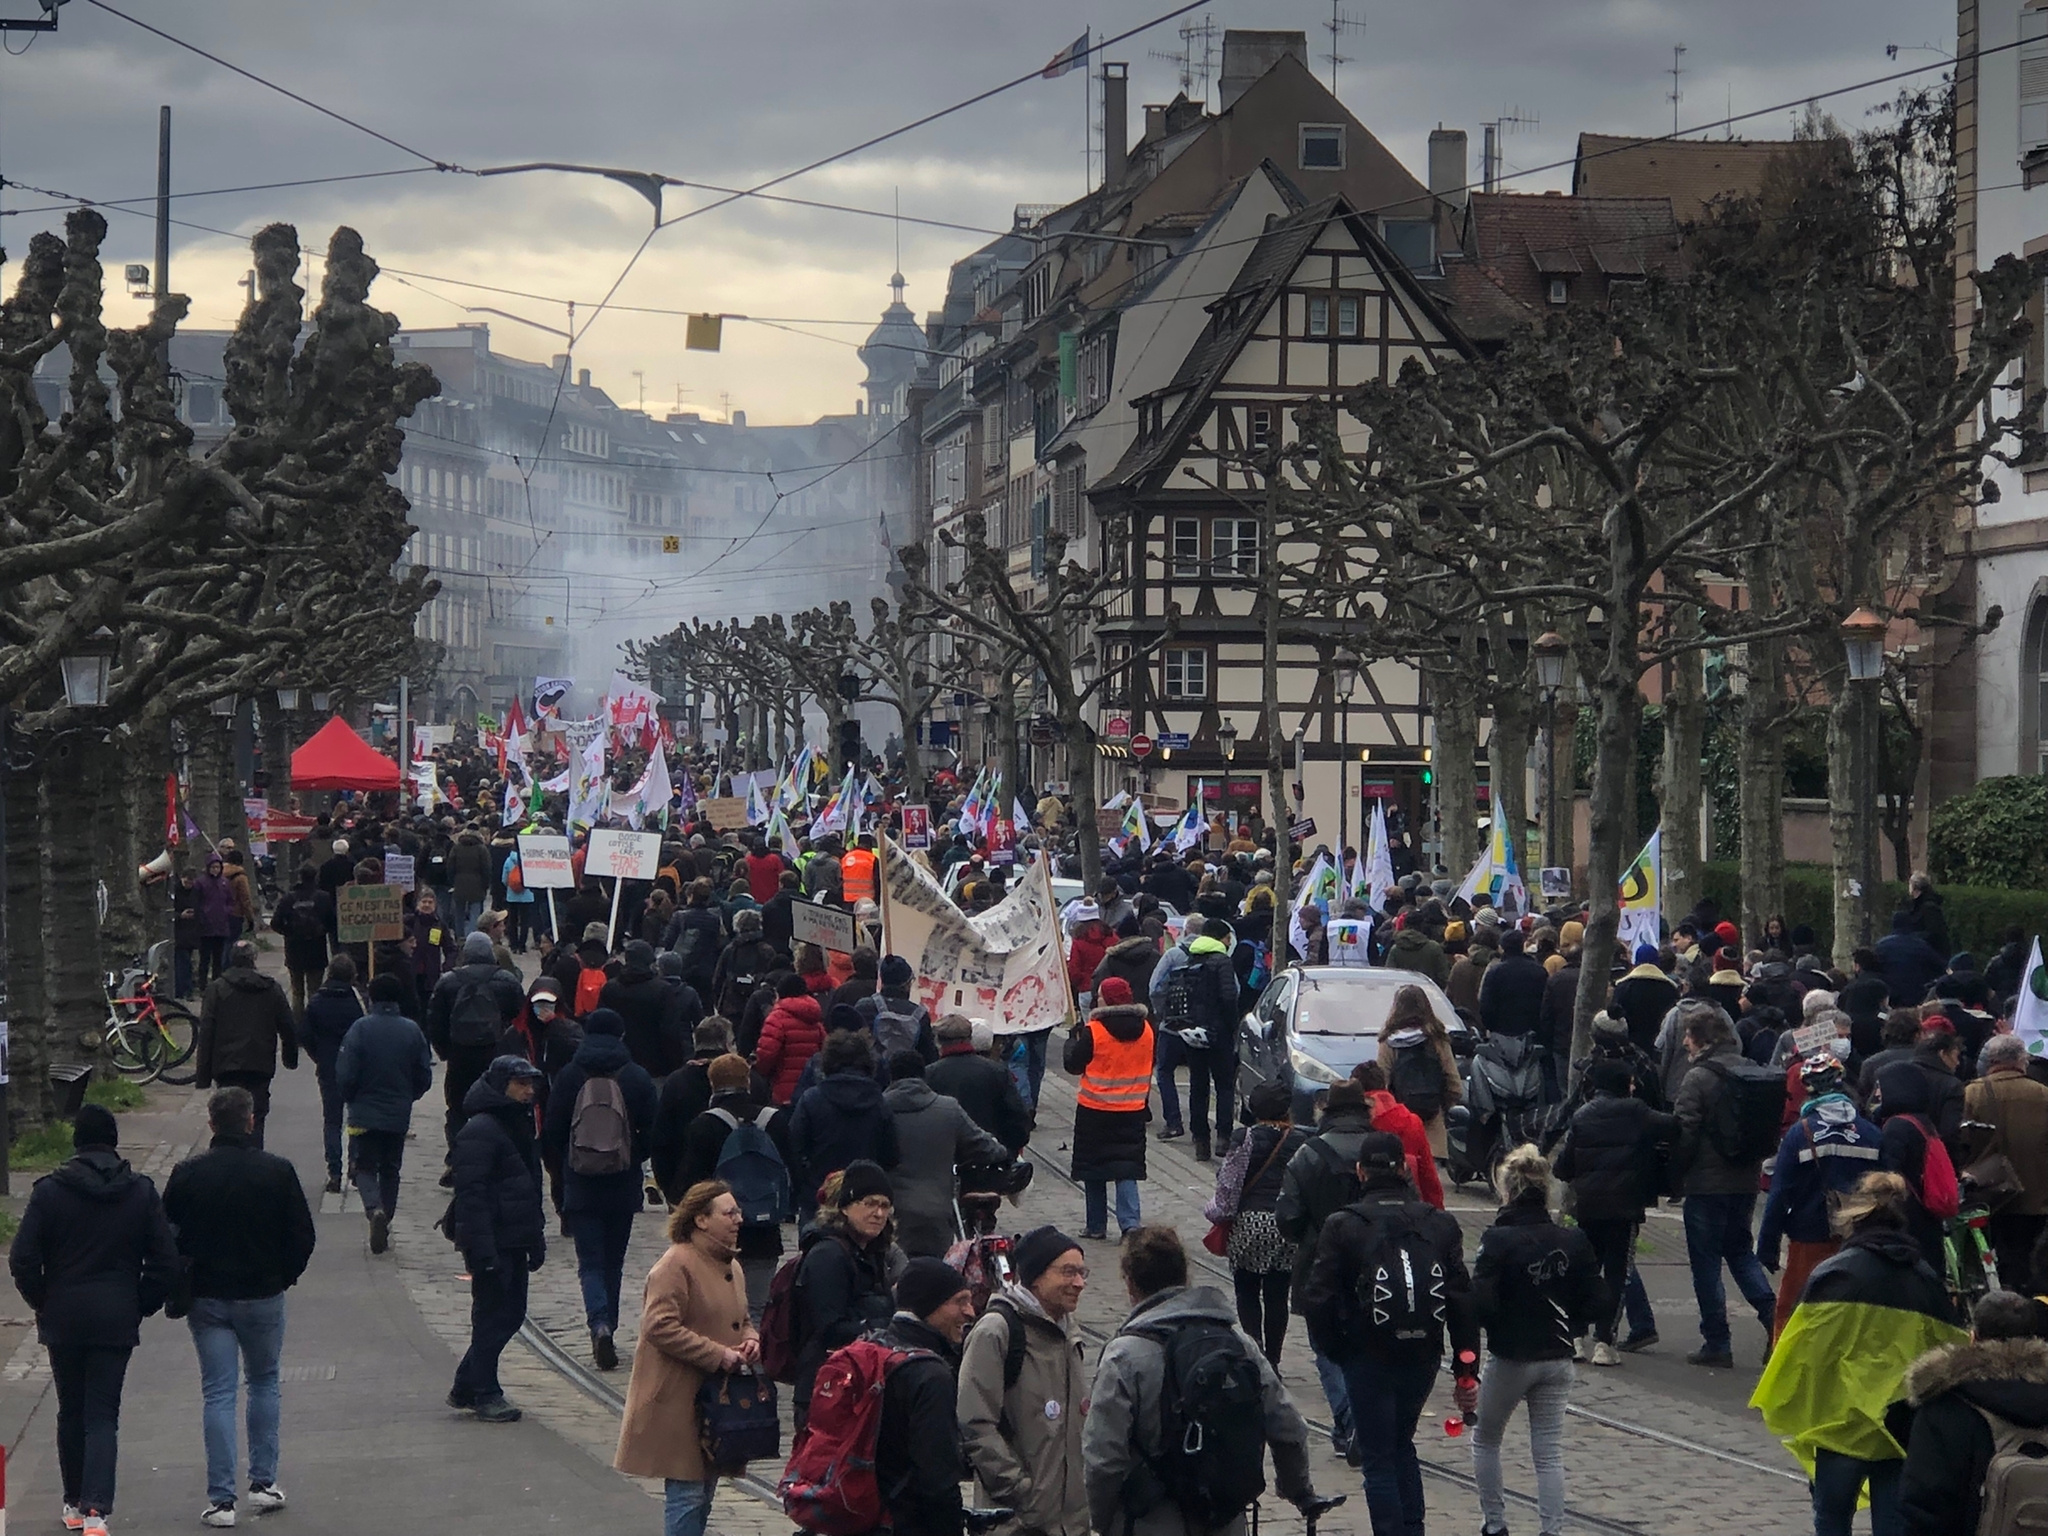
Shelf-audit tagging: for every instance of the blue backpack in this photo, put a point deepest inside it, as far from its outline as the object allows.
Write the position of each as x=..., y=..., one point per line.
x=749, y=1164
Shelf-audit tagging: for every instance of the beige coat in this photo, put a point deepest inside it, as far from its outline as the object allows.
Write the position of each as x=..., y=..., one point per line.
x=2018, y=1106
x=1454, y=1089
x=694, y=1310
x=1025, y=1444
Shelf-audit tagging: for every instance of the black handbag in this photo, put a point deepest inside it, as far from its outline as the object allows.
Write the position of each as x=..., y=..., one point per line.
x=736, y=1420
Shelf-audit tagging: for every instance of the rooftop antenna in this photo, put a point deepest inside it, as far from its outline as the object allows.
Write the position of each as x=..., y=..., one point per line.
x=1194, y=78
x=641, y=378
x=1337, y=26
x=1490, y=146
x=1677, y=53
x=1728, y=115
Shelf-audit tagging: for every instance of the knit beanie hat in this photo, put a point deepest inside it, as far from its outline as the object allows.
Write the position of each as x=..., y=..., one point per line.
x=604, y=1021
x=1037, y=1249
x=1114, y=992
x=1646, y=954
x=861, y=1179
x=927, y=1284
x=476, y=947
x=896, y=971
x=94, y=1127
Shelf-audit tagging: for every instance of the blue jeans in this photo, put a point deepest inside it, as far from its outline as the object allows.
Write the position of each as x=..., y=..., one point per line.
x=1717, y=1232
x=1095, y=1192
x=1168, y=1054
x=1386, y=1401
x=686, y=1506
x=235, y=1336
x=330, y=1118
x=1837, y=1480
x=1336, y=1393
x=601, y=1238
x=1034, y=1063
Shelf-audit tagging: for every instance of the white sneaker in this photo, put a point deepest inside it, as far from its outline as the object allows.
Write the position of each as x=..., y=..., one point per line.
x=1606, y=1354
x=1579, y=1349
x=218, y=1514
x=74, y=1518
x=265, y=1497
x=95, y=1525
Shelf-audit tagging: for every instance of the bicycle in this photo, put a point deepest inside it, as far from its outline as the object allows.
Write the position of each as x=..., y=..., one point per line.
x=147, y=1037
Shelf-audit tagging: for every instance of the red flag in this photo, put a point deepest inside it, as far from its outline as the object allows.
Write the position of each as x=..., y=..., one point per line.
x=170, y=810
x=515, y=720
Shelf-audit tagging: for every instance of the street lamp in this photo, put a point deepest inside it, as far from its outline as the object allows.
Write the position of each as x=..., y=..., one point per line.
x=86, y=669
x=1226, y=737
x=320, y=701
x=1548, y=648
x=1344, y=675
x=1863, y=643
x=224, y=706
x=288, y=699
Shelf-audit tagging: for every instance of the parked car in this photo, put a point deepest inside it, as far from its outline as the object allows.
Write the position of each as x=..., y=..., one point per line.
x=1065, y=890
x=1314, y=1023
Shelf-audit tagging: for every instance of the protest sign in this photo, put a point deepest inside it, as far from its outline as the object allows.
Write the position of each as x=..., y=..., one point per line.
x=917, y=826
x=368, y=914
x=617, y=855
x=827, y=927
x=544, y=862
x=1006, y=965
x=726, y=813
x=398, y=870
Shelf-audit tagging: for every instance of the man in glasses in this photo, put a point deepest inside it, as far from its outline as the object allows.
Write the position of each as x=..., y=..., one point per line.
x=1022, y=1383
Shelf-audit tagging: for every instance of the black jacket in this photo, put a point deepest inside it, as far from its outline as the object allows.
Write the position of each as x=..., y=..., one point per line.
x=241, y=1218
x=502, y=986
x=1863, y=998
x=495, y=1213
x=1643, y=1001
x=918, y=1460
x=600, y=1056
x=384, y=1069
x=1511, y=996
x=742, y=967
x=1536, y=1285
x=1948, y=1449
x=1909, y=965
x=842, y=1292
x=643, y=1000
x=1883, y=1269
x=1944, y=1100
x=1560, y=1000
x=685, y=1094
x=1330, y=1300
x=1903, y=1116
x=329, y=1013
x=245, y=1021
x=1320, y=1179
x=1265, y=1167
x=698, y=935
x=841, y=1120
x=985, y=1090
x=1132, y=959
x=303, y=919
x=94, y=1255
x=1610, y=1156
x=697, y=1157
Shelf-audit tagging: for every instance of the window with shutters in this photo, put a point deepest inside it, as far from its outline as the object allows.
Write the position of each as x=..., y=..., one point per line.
x=2033, y=68
x=1187, y=546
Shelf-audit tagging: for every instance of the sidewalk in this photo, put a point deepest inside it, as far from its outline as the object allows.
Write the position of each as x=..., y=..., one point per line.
x=368, y=1442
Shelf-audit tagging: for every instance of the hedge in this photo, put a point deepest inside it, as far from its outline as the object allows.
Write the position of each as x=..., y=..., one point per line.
x=1996, y=835
x=1977, y=915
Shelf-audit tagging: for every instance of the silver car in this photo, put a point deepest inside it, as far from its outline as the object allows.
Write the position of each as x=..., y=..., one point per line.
x=1314, y=1023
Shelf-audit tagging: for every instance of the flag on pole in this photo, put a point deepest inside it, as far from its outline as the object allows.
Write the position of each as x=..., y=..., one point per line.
x=2030, y=1010
x=1019, y=817
x=1509, y=893
x=1482, y=873
x=1134, y=825
x=651, y=797
x=757, y=808
x=1189, y=830
x=1641, y=896
x=1379, y=862
x=778, y=830
x=514, y=806
x=1070, y=58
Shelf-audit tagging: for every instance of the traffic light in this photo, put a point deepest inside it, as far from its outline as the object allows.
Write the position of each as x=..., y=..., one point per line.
x=849, y=744
x=1428, y=777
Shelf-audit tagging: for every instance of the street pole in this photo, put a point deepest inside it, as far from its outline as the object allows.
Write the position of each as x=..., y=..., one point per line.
x=1344, y=780
x=1550, y=778
x=404, y=720
x=1866, y=804
x=163, y=217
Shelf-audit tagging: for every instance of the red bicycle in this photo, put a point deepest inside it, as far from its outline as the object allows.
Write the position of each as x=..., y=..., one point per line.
x=148, y=1037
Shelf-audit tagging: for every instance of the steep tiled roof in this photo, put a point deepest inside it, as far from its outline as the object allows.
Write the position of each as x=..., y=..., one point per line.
x=1690, y=172
x=1514, y=243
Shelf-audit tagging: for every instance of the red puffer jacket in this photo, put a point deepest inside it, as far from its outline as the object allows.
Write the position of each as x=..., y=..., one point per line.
x=1090, y=943
x=790, y=1037
x=1396, y=1120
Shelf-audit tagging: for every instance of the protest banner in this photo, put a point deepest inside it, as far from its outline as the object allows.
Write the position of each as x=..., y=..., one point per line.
x=917, y=826
x=1006, y=965
x=827, y=927
x=726, y=813
x=369, y=914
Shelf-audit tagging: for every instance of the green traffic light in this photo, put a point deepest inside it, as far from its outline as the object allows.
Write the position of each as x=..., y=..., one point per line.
x=1428, y=777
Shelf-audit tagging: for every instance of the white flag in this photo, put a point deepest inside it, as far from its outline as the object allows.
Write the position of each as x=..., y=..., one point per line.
x=1379, y=862
x=2030, y=1012
x=1482, y=875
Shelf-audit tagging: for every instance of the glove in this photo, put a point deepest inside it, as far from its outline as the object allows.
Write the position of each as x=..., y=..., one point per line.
x=537, y=1257
x=1769, y=1261
x=1466, y=1395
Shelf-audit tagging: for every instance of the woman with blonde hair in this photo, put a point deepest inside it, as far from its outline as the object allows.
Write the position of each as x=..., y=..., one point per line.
x=1536, y=1287
x=693, y=1322
x=1415, y=1053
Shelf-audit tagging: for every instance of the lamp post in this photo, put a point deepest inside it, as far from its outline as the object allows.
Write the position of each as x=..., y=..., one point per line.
x=86, y=669
x=1344, y=676
x=1085, y=666
x=1863, y=645
x=1548, y=648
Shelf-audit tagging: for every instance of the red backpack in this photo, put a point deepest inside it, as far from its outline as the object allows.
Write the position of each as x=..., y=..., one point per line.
x=1939, y=1192
x=589, y=984
x=779, y=1341
x=830, y=1487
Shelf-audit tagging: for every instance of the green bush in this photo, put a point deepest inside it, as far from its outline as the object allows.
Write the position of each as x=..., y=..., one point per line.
x=1994, y=836
x=1977, y=915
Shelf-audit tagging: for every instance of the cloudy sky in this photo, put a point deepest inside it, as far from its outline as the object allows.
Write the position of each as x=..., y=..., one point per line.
x=732, y=94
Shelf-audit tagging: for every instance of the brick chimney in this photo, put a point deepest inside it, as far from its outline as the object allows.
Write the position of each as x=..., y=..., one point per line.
x=1116, y=122
x=1449, y=168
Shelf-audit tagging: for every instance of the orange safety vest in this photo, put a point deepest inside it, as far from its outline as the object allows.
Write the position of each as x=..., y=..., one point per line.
x=857, y=875
x=1119, y=1073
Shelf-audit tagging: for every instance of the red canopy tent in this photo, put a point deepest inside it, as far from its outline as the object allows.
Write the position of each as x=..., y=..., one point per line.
x=337, y=758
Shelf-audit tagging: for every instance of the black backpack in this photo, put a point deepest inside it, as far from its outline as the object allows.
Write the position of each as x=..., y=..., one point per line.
x=1743, y=1121
x=306, y=922
x=1212, y=1442
x=1177, y=997
x=1013, y=1351
x=1418, y=1079
x=1401, y=1284
x=474, y=1019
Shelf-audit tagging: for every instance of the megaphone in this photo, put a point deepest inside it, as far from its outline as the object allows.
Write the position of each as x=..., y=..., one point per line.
x=156, y=869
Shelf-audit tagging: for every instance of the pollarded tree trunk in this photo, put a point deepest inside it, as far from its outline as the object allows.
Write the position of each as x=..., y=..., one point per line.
x=137, y=913
x=1507, y=751
x=1080, y=737
x=203, y=758
x=1619, y=699
x=1849, y=787
x=76, y=975
x=29, y=1100
x=1760, y=781
x=1685, y=733
x=1457, y=782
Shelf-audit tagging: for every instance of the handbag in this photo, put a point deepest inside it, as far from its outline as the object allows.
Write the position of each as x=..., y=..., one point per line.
x=736, y=1420
x=1217, y=1238
x=1994, y=1180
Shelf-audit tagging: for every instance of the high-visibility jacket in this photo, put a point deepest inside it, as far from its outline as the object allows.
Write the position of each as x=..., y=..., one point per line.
x=857, y=875
x=1119, y=1072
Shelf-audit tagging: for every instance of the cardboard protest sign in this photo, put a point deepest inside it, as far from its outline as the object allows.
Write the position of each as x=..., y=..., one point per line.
x=617, y=855
x=369, y=914
x=544, y=862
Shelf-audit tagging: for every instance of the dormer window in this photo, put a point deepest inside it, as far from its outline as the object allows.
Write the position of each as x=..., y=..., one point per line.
x=1560, y=290
x=1322, y=146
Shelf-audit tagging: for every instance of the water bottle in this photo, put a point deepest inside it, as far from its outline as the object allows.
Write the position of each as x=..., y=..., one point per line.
x=1465, y=1371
